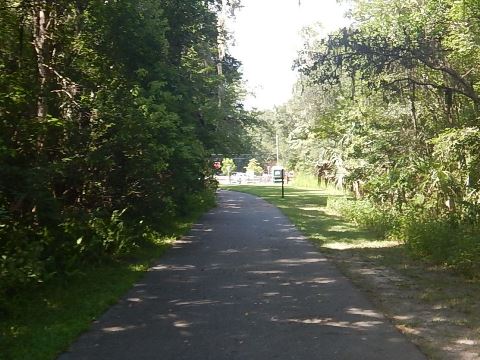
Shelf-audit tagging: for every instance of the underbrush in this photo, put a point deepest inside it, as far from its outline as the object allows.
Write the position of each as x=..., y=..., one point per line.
x=32, y=255
x=365, y=215
x=303, y=180
x=43, y=310
x=441, y=241
x=309, y=181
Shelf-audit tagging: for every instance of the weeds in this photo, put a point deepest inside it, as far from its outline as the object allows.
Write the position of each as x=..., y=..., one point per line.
x=442, y=241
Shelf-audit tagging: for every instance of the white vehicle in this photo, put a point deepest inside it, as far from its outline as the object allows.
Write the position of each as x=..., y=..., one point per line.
x=238, y=178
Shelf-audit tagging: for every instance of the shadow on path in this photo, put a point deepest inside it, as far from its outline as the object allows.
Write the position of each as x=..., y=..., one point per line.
x=244, y=284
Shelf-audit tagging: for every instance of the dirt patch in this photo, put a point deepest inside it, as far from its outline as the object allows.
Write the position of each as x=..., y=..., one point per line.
x=437, y=310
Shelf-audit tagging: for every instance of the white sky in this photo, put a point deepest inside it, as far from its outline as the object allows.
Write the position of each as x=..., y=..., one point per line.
x=267, y=38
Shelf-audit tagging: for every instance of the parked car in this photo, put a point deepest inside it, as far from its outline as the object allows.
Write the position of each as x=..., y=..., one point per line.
x=238, y=178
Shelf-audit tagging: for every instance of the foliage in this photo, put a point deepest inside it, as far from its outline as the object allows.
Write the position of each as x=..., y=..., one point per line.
x=109, y=111
x=41, y=322
x=254, y=167
x=388, y=108
x=366, y=215
x=303, y=180
x=228, y=165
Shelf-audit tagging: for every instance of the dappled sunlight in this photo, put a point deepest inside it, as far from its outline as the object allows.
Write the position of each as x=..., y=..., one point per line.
x=295, y=238
x=134, y=300
x=285, y=230
x=233, y=287
x=365, y=312
x=186, y=240
x=340, y=228
x=179, y=302
x=403, y=317
x=266, y=250
x=168, y=316
x=358, y=325
x=115, y=329
x=317, y=280
x=310, y=208
x=236, y=286
x=229, y=251
x=232, y=206
x=314, y=281
x=174, y=267
x=182, y=324
x=266, y=272
x=158, y=267
x=439, y=319
x=408, y=330
x=297, y=262
x=311, y=216
x=373, y=244
x=467, y=342
x=201, y=230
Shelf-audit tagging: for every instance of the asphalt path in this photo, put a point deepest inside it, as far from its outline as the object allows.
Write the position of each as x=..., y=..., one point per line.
x=244, y=284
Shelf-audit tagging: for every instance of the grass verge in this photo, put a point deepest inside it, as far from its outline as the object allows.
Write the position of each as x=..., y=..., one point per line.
x=308, y=210
x=42, y=322
x=437, y=309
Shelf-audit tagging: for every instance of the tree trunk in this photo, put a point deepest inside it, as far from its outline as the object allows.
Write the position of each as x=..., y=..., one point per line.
x=413, y=108
x=222, y=44
x=41, y=39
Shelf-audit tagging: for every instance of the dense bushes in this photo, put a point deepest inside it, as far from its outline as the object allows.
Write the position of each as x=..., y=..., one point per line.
x=366, y=215
x=388, y=108
x=442, y=241
x=108, y=113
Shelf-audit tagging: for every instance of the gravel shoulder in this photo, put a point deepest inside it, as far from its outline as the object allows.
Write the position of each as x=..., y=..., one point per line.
x=437, y=310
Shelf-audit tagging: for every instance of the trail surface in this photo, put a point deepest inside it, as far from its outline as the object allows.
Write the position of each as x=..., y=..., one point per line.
x=244, y=284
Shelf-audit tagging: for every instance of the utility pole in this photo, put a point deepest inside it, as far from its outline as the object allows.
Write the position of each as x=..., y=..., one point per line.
x=276, y=142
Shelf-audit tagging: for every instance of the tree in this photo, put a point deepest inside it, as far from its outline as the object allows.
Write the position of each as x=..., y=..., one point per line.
x=254, y=167
x=108, y=116
x=392, y=102
x=228, y=166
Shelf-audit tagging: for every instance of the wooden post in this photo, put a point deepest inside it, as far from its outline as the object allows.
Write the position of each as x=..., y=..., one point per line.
x=283, y=177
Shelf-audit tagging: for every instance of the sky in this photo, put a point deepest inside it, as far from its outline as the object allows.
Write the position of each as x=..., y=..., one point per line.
x=266, y=40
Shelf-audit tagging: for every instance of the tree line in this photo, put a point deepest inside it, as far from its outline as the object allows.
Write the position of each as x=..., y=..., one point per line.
x=389, y=107
x=108, y=113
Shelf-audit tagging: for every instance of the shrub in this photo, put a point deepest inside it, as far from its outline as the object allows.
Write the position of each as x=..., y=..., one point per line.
x=21, y=257
x=443, y=242
x=306, y=181
x=366, y=215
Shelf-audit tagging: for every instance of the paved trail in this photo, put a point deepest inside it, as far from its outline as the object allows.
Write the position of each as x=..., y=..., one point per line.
x=243, y=285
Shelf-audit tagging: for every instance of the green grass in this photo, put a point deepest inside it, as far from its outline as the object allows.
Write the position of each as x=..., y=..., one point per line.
x=308, y=210
x=302, y=180
x=42, y=322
